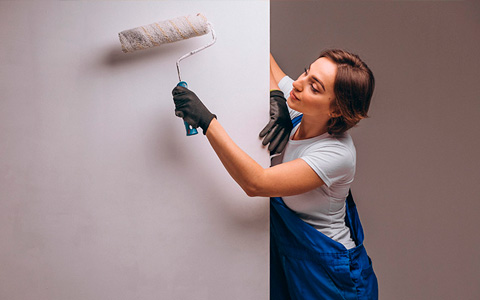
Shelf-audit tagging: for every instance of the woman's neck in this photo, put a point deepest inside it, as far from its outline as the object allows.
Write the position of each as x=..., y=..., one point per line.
x=310, y=128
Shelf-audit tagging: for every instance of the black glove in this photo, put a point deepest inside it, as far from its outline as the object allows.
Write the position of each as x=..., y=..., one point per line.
x=277, y=131
x=191, y=109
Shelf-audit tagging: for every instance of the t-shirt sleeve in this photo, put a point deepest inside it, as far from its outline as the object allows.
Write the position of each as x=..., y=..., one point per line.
x=286, y=86
x=332, y=163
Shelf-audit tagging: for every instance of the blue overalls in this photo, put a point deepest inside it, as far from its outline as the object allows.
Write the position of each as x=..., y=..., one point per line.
x=306, y=264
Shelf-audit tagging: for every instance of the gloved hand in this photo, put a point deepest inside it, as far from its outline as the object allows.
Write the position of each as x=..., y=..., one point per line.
x=277, y=131
x=189, y=107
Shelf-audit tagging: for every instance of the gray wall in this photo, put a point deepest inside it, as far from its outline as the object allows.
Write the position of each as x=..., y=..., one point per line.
x=102, y=196
x=418, y=161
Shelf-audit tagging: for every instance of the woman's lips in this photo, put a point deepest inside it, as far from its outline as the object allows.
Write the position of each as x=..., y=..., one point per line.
x=293, y=96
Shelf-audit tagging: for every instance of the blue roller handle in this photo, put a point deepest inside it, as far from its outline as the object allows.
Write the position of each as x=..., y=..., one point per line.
x=190, y=130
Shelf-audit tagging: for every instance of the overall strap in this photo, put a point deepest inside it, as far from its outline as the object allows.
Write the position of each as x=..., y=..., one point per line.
x=297, y=120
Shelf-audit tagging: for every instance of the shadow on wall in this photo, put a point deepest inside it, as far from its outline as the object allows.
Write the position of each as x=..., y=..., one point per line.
x=115, y=57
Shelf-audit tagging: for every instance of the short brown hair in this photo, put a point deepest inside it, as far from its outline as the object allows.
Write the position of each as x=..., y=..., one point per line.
x=353, y=88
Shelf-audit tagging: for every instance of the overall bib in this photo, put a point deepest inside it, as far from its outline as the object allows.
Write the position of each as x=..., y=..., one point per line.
x=306, y=264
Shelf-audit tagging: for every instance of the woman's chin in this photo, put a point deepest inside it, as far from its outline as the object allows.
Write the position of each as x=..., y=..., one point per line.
x=291, y=103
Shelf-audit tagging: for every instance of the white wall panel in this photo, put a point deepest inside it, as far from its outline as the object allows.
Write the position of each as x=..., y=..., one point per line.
x=102, y=196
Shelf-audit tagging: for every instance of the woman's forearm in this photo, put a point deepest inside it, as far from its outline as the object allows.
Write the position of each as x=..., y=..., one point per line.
x=243, y=169
x=273, y=82
x=275, y=70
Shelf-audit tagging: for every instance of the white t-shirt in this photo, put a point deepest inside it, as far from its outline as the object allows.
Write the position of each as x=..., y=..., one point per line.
x=333, y=158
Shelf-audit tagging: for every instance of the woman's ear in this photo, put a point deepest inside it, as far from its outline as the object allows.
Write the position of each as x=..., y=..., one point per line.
x=334, y=113
x=334, y=109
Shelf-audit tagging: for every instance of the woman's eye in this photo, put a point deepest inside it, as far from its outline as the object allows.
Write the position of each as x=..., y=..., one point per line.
x=311, y=85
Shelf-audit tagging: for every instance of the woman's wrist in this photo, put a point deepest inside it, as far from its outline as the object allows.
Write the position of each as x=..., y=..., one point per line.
x=277, y=93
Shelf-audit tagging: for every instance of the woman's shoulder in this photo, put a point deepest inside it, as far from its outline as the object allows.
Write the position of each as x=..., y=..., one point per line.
x=332, y=145
x=343, y=140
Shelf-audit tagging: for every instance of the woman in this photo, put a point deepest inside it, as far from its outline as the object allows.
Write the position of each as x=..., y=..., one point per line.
x=316, y=237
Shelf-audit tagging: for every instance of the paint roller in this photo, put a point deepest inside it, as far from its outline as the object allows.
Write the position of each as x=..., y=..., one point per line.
x=169, y=31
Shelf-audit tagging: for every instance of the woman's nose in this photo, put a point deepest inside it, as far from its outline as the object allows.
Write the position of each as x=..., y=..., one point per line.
x=297, y=85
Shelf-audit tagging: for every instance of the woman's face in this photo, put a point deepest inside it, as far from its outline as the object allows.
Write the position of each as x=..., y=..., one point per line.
x=312, y=92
